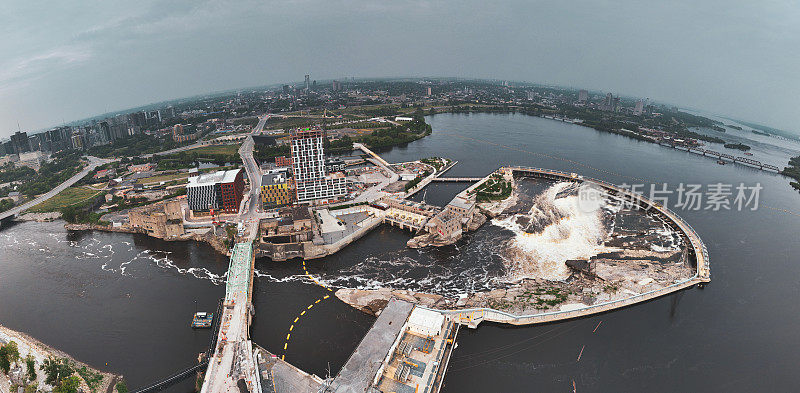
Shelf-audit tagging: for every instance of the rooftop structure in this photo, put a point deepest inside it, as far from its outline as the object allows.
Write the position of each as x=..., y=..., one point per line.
x=219, y=191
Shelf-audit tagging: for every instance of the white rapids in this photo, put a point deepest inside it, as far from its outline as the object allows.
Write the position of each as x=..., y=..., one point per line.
x=560, y=226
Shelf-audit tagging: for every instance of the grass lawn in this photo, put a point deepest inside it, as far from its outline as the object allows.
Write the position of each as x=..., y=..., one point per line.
x=160, y=178
x=216, y=150
x=70, y=196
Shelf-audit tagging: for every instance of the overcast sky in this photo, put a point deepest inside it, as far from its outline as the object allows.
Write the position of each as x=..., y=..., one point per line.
x=70, y=60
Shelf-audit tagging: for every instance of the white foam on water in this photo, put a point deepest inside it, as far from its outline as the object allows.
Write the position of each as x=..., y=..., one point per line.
x=571, y=229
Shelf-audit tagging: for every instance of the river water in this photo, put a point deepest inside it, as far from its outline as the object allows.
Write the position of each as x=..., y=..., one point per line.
x=127, y=299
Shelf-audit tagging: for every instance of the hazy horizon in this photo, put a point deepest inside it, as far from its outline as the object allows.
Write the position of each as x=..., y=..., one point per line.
x=70, y=62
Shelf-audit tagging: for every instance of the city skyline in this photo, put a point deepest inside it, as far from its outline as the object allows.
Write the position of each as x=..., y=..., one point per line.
x=82, y=61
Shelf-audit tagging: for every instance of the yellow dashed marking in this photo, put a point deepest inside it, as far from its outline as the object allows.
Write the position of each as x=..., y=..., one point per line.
x=310, y=306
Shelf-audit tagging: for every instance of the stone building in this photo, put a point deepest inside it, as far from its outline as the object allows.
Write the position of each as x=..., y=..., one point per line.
x=162, y=220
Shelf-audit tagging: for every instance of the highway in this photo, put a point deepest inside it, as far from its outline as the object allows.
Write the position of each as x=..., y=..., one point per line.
x=94, y=162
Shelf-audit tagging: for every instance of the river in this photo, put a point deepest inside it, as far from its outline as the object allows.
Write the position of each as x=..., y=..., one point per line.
x=127, y=299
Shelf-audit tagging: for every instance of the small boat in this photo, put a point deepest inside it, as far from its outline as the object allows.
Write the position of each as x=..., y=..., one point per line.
x=202, y=320
x=721, y=162
x=748, y=154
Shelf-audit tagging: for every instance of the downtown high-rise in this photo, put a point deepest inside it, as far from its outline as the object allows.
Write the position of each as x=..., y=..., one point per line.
x=312, y=182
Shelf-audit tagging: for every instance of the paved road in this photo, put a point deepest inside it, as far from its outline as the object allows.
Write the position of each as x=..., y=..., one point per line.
x=253, y=172
x=94, y=162
x=178, y=149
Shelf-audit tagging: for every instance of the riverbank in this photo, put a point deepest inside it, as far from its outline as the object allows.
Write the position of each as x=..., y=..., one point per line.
x=217, y=242
x=91, y=379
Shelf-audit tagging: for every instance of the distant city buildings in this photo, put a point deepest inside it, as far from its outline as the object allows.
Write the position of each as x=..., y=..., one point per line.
x=20, y=142
x=428, y=91
x=583, y=96
x=312, y=183
x=639, y=108
x=221, y=191
x=307, y=83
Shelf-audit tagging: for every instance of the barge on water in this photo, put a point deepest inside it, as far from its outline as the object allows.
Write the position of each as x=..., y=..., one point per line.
x=202, y=320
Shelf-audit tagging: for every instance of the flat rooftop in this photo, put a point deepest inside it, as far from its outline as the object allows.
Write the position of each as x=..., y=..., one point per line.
x=213, y=178
x=362, y=367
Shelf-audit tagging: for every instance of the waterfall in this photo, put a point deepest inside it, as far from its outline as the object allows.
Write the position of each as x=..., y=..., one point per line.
x=560, y=226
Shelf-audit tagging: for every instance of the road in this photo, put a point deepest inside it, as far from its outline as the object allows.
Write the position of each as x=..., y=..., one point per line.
x=253, y=172
x=94, y=162
x=177, y=149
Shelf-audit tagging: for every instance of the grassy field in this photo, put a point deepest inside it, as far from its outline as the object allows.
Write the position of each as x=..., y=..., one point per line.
x=70, y=196
x=160, y=178
x=216, y=150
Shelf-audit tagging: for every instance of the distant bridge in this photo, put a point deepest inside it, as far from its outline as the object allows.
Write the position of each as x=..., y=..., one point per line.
x=740, y=160
x=458, y=179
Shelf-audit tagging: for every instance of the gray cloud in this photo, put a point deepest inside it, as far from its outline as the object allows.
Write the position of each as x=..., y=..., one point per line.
x=736, y=58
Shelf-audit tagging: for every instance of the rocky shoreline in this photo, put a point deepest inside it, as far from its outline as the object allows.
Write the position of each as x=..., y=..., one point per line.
x=214, y=241
x=29, y=346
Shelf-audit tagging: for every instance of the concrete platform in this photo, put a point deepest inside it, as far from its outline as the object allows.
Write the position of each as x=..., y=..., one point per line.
x=362, y=367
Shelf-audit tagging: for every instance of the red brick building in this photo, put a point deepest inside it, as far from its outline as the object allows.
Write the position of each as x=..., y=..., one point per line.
x=283, y=161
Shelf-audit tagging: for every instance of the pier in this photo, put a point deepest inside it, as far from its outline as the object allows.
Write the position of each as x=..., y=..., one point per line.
x=407, y=350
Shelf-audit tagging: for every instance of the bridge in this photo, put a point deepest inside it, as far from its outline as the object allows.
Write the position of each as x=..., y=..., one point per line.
x=458, y=179
x=736, y=160
x=233, y=357
x=375, y=156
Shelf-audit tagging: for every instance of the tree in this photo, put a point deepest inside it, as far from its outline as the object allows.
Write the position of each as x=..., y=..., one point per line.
x=55, y=370
x=9, y=354
x=31, y=363
x=5, y=364
x=68, y=385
